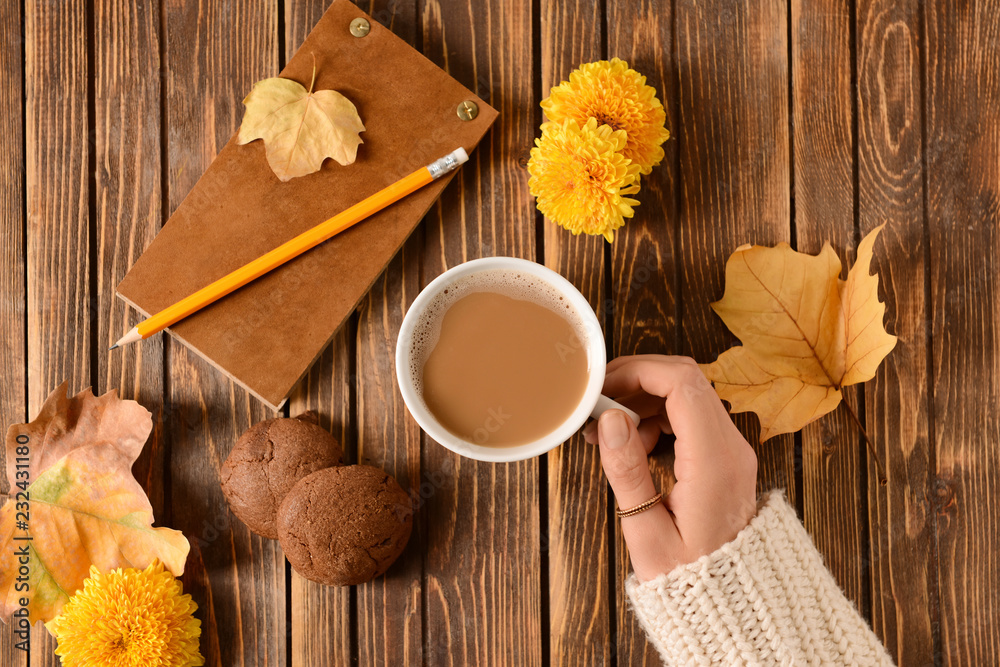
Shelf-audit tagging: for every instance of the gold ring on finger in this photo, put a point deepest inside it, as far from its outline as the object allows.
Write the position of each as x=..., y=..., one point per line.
x=640, y=508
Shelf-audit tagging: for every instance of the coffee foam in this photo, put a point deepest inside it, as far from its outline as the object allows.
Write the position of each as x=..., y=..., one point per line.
x=513, y=284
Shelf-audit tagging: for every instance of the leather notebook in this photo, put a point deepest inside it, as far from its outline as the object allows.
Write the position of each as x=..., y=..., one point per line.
x=266, y=335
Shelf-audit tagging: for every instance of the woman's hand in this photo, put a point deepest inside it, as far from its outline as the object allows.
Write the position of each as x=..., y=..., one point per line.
x=716, y=469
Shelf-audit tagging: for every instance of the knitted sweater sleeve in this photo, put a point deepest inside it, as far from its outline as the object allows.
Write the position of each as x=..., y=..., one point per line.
x=763, y=599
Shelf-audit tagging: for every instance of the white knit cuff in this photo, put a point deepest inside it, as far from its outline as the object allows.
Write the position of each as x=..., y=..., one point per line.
x=763, y=599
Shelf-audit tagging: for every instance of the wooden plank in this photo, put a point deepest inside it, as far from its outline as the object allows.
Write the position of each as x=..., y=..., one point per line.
x=12, y=257
x=578, y=567
x=643, y=301
x=321, y=615
x=733, y=76
x=963, y=179
x=58, y=266
x=387, y=439
x=734, y=181
x=214, y=53
x=12, y=288
x=390, y=608
x=128, y=208
x=321, y=621
x=823, y=141
x=891, y=190
x=482, y=561
x=56, y=178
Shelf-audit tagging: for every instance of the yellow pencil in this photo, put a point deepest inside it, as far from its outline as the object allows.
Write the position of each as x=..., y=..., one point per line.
x=295, y=247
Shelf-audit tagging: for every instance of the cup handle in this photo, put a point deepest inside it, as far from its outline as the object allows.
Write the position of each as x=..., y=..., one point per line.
x=605, y=403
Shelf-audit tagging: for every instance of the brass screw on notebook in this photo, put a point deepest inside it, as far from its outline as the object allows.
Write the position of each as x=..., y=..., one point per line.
x=468, y=110
x=360, y=27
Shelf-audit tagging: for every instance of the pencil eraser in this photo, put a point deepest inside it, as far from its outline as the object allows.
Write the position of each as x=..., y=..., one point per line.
x=460, y=155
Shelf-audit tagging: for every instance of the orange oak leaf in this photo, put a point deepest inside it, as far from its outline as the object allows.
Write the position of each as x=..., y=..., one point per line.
x=300, y=128
x=74, y=502
x=806, y=333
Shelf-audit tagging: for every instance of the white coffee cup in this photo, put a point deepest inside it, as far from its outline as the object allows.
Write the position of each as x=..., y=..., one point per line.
x=591, y=405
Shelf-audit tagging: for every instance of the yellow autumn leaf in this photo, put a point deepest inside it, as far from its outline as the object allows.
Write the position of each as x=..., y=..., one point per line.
x=806, y=333
x=300, y=128
x=74, y=502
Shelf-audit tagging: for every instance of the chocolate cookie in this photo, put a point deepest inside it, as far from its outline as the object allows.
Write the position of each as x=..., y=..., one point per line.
x=346, y=525
x=265, y=464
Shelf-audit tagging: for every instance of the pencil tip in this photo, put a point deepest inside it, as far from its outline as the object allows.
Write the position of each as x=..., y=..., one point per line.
x=112, y=347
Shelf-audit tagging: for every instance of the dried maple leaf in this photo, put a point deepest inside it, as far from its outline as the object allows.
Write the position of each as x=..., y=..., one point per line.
x=84, y=506
x=806, y=333
x=300, y=128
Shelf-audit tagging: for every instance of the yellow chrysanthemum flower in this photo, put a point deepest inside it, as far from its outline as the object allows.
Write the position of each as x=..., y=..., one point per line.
x=617, y=96
x=128, y=618
x=580, y=177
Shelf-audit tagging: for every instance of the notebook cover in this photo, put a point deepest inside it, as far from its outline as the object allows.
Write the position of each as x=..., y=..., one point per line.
x=266, y=335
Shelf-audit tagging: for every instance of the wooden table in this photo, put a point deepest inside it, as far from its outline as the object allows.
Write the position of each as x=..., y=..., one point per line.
x=802, y=121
